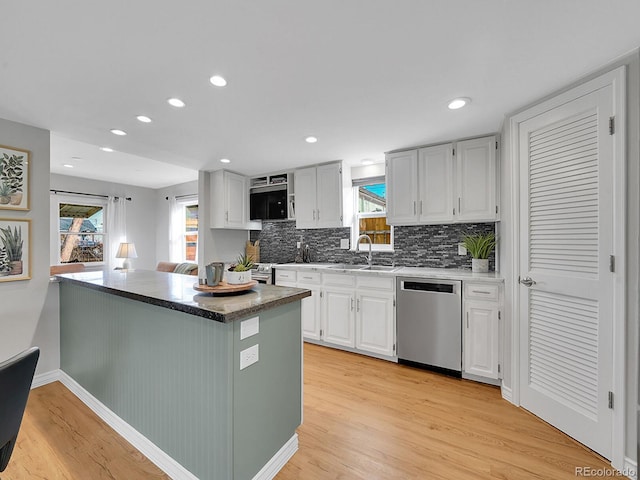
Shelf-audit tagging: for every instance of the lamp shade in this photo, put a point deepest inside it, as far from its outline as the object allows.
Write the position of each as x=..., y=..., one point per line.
x=127, y=250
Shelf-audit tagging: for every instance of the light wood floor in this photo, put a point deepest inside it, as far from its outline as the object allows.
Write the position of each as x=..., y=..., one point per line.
x=363, y=419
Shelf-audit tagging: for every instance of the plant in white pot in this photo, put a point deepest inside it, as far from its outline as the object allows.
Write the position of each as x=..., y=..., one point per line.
x=240, y=272
x=480, y=247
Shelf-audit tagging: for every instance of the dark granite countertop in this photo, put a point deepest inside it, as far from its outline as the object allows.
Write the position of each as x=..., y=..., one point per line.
x=176, y=292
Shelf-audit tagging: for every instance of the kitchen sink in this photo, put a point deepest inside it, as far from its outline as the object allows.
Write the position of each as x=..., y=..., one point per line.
x=380, y=268
x=341, y=266
x=372, y=268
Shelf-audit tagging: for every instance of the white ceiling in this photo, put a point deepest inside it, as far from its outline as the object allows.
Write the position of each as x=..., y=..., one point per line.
x=364, y=76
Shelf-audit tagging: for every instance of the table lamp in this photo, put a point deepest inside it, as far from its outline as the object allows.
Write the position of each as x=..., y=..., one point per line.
x=126, y=251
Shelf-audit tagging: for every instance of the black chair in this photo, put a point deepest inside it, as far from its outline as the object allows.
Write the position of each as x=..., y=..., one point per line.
x=16, y=375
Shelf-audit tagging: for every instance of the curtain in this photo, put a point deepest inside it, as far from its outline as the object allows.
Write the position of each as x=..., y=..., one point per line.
x=175, y=230
x=116, y=229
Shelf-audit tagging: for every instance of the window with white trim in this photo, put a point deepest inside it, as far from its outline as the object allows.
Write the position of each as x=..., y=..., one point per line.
x=370, y=207
x=82, y=237
x=189, y=228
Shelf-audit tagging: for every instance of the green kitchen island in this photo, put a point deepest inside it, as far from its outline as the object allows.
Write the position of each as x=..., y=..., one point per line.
x=166, y=360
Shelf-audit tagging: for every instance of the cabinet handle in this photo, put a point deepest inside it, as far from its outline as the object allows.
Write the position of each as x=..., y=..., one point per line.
x=358, y=305
x=314, y=214
x=352, y=304
x=307, y=278
x=454, y=211
x=458, y=203
x=481, y=291
x=318, y=214
x=226, y=216
x=467, y=319
x=414, y=207
x=420, y=207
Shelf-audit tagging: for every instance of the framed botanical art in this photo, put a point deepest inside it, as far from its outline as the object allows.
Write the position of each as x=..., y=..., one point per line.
x=14, y=178
x=15, y=249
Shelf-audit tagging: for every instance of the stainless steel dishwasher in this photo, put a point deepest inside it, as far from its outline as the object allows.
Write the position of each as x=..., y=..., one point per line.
x=429, y=320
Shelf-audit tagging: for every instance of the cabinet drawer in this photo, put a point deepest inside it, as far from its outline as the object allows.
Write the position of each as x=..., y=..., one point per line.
x=285, y=275
x=376, y=282
x=482, y=291
x=337, y=279
x=309, y=277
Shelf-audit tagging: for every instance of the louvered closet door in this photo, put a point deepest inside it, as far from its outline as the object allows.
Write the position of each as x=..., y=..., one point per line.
x=566, y=228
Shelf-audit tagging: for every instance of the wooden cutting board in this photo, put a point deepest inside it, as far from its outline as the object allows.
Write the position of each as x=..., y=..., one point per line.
x=224, y=287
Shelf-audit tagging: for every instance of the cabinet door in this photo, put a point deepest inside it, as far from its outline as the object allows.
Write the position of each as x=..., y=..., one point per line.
x=402, y=187
x=305, y=183
x=310, y=312
x=476, y=179
x=436, y=185
x=338, y=317
x=236, y=200
x=481, y=337
x=329, y=196
x=375, y=326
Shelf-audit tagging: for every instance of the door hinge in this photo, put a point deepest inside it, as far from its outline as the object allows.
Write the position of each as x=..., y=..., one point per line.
x=394, y=347
x=498, y=368
x=612, y=263
x=612, y=125
x=340, y=169
x=499, y=315
x=453, y=152
x=340, y=217
x=394, y=302
x=321, y=332
x=496, y=209
x=496, y=144
x=611, y=400
x=320, y=293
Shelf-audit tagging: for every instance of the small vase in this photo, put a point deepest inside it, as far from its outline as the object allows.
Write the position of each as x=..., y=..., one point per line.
x=479, y=265
x=16, y=267
x=4, y=199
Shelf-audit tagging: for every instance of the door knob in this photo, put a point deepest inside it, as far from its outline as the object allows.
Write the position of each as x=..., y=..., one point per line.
x=527, y=281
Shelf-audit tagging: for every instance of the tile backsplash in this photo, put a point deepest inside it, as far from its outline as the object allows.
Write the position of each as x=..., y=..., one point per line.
x=414, y=246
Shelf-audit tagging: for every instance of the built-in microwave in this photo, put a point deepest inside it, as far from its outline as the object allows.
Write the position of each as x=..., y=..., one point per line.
x=268, y=203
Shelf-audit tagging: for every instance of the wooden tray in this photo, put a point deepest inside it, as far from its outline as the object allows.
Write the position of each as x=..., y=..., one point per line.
x=224, y=287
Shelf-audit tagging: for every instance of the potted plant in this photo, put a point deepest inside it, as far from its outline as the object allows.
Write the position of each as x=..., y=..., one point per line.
x=240, y=272
x=12, y=243
x=480, y=247
x=12, y=170
x=5, y=193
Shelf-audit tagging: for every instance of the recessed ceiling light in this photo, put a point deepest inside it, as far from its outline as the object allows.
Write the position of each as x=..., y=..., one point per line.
x=143, y=119
x=457, y=103
x=117, y=131
x=68, y=165
x=311, y=139
x=106, y=149
x=218, y=81
x=225, y=160
x=367, y=161
x=176, y=102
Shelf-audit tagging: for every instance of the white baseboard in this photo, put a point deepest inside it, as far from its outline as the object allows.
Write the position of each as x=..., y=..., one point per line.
x=135, y=438
x=273, y=466
x=630, y=468
x=45, y=378
x=507, y=393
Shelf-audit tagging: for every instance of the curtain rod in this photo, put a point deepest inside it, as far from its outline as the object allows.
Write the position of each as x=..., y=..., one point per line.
x=87, y=194
x=183, y=196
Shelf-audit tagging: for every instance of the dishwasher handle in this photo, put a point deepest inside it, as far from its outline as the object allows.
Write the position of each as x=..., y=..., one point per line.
x=428, y=287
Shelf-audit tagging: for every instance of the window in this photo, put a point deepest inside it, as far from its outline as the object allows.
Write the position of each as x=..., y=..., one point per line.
x=190, y=232
x=370, y=197
x=81, y=233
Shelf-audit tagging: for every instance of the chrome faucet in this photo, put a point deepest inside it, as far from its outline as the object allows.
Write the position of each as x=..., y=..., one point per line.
x=368, y=238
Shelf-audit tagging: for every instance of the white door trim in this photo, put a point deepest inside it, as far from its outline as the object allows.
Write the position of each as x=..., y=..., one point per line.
x=616, y=78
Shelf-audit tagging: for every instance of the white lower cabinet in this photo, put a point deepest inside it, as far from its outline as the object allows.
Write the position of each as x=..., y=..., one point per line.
x=375, y=328
x=311, y=318
x=338, y=316
x=481, y=327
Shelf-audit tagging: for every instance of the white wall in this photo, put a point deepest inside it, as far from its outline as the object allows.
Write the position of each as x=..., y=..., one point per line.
x=26, y=317
x=163, y=215
x=507, y=260
x=140, y=212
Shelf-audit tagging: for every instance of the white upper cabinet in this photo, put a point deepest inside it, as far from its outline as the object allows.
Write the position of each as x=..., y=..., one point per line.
x=229, y=200
x=436, y=185
x=454, y=182
x=320, y=200
x=476, y=179
x=402, y=187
